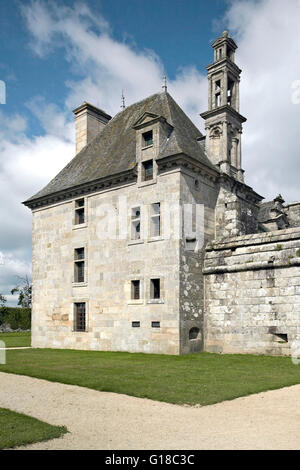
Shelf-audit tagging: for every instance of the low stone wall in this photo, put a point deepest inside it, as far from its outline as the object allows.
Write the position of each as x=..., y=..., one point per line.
x=252, y=293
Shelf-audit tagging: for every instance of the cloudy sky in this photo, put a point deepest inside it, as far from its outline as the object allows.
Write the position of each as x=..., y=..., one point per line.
x=55, y=55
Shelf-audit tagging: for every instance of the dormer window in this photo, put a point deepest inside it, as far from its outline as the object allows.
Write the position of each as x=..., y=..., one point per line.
x=147, y=170
x=147, y=138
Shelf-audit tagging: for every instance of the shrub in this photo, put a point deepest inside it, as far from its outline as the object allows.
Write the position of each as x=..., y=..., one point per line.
x=16, y=318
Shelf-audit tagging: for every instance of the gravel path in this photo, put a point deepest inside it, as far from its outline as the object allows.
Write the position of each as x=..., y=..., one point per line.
x=100, y=420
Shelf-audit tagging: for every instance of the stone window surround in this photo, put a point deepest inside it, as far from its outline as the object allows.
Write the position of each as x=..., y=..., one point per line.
x=145, y=219
x=145, y=298
x=85, y=224
x=77, y=301
x=85, y=283
x=139, y=301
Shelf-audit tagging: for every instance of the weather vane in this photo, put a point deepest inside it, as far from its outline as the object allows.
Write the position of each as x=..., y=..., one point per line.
x=123, y=101
x=164, y=87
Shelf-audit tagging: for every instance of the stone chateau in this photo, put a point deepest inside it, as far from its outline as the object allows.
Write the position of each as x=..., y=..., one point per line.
x=150, y=240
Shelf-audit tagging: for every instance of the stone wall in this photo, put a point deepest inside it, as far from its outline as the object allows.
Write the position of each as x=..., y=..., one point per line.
x=236, y=209
x=111, y=264
x=195, y=190
x=293, y=214
x=252, y=293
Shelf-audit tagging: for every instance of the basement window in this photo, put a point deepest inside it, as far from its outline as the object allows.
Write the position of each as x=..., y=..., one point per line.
x=136, y=324
x=147, y=168
x=80, y=316
x=79, y=264
x=155, y=324
x=283, y=338
x=193, y=333
x=147, y=139
x=155, y=288
x=135, y=290
x=79, y=212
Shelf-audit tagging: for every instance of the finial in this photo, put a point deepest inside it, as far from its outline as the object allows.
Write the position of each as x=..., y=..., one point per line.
x=123, y=101
x=225, y=34
x=164, y=87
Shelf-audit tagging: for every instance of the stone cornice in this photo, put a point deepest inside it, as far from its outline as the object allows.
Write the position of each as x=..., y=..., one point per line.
x=223, y=109
x=119, y=179
x=183, y=161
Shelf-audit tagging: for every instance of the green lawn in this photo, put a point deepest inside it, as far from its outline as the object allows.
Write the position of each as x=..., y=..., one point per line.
x=13, y=340
x=17, y=429
x=192, y=379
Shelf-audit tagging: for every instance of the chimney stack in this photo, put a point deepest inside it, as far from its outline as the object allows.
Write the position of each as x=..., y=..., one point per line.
x=89, y=121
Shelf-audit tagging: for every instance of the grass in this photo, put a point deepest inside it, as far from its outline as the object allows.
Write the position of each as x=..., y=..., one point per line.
x=14, y=340
x=191, y=379
x=17, y=429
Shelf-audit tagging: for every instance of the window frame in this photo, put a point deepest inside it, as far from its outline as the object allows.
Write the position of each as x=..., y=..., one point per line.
x=146, y=178
x=78, y=209
x=134, y=284
x=135, y=221
x=75, y=317
x=153, y=216
x=145, y=141
x=153, y=287
x=79, y=260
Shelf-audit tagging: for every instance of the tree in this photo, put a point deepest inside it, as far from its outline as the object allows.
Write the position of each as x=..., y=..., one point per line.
x=2, y=300
x=24, y=289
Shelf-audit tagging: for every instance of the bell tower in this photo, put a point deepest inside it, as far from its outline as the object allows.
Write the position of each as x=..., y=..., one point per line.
x=223, y=121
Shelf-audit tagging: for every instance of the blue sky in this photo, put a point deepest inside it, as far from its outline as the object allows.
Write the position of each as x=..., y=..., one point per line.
x=178, y=31
x=56, y=54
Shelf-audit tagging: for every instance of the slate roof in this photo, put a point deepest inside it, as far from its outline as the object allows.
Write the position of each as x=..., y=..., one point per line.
x=113, y=150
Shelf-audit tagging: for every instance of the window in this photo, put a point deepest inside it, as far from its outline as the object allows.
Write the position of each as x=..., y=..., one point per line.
x=136, y=223
x=194, y=333
x=135, y=290
x=155, y=220
x=79, y=212
x=155, y=289
x=147, y=170
x=79, y=263
x=136, y=324
x=155, y=324
x=147, y=139
x=80, y=316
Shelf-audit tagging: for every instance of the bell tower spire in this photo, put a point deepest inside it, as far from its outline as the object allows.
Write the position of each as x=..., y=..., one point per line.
x=223, y=121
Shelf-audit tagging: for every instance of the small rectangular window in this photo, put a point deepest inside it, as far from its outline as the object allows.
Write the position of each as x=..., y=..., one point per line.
x=80, y=316
x=135, y=290
x=136, y=223
x=147, y=170
x=147, y=139
x=79, y=212
x=79, y=264
x=155, y=220
x=136, y=324
x=155, y=324
x=155, y=289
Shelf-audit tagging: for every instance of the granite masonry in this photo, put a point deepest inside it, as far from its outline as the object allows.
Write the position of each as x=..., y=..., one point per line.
x=150, y=240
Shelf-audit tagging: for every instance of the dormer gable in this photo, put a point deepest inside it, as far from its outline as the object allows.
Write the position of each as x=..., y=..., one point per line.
x=148, y=119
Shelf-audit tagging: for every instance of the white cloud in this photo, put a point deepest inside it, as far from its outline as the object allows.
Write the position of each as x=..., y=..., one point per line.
x=267, y=34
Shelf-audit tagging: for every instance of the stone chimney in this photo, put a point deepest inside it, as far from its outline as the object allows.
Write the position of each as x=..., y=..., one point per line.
x=89, y=121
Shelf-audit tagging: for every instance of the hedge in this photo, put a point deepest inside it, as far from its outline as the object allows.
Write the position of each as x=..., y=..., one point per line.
x=16, y=318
